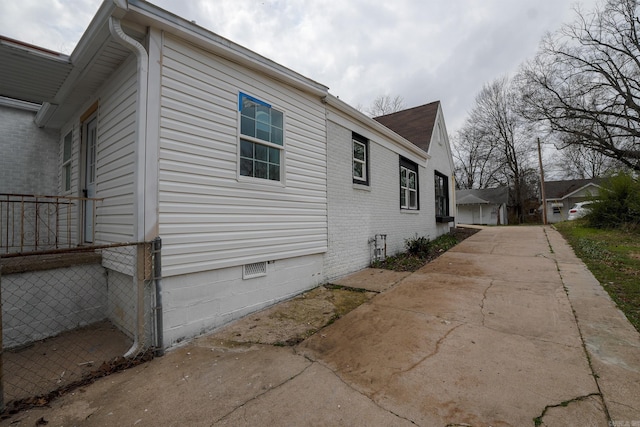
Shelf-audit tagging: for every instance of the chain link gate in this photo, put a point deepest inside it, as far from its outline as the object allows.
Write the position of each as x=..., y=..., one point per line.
x=70, y=316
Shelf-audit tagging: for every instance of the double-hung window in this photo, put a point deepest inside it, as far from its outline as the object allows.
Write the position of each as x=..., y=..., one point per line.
x=261, y=139
x=442, y=198
x=360, y=159
x=408, y=185
x=66, y=161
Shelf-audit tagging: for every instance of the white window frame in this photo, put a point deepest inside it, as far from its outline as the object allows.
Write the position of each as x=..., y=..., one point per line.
x=255, y=142
x=358, y=141
x=408, y=169
x=66, y=161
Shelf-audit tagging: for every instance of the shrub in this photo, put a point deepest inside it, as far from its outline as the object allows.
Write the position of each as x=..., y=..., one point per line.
x=618, y=205
x=420, y=246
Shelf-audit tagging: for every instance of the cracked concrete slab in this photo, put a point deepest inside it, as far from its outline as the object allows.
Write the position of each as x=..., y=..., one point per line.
x=586, y=412
x=611, y=341
x=332, y=403
x=193, y=385
x=372, y=279
x=478, y=351
x=484, y=377
x=495, y=332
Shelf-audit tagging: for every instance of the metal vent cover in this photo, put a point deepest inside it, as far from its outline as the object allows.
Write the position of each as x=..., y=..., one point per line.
x=256, y=269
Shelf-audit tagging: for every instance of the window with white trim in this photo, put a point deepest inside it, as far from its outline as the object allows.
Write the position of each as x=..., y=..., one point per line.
x=360, y=159
x=261, y=139
x=66, y=161
x=408, y=185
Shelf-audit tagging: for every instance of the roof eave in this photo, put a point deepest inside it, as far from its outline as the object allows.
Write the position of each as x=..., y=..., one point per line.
x=149, y=14
x=379, y=127
x=580, y=189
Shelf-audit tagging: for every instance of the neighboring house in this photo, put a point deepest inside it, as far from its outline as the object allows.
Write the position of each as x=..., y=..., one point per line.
x=487, y=206
x=260, y=183
x=562, y=195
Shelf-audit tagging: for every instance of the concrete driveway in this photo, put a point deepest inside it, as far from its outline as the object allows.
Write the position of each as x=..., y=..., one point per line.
x=507, y=329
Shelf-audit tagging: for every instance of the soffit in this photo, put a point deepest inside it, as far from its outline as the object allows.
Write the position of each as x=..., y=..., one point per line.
x=30, y=73
x=37, y=75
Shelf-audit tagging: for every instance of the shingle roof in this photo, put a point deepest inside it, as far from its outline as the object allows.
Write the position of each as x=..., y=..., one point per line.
x=496, y=196
x=413, y=124
x=560, y=189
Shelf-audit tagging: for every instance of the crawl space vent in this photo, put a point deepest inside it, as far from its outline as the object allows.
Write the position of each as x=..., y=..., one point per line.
x=256, y=269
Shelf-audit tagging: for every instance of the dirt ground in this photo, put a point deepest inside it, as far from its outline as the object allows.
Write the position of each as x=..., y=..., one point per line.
x=54, y=363
x=293, y=321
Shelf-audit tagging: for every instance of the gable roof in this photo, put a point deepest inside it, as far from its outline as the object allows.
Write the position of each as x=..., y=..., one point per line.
x=496, y=196
x=562, y=189
x=413, y=124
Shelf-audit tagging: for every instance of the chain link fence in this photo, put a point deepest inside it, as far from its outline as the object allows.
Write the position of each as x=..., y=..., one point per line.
x=71, y=316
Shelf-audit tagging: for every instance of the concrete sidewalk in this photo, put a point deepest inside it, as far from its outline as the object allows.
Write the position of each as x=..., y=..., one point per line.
x=507, y=329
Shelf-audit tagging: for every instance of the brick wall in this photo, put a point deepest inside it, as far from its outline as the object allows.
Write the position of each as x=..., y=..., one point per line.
x=357, y=213
x=29, y=160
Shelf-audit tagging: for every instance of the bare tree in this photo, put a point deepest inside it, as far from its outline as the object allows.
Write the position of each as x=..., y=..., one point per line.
x=584, y=82
x=504, y=143
x=580, y=162
x=474, y=158
x=385, y=104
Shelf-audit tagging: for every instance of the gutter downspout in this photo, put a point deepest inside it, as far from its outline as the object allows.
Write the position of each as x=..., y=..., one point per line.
x=141, y=147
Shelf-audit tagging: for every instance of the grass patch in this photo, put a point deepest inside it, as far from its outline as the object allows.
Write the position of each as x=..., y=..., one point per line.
x=421, y=250
x=613, y=256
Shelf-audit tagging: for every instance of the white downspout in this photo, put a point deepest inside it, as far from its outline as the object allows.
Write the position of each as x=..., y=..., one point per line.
x=139, y=178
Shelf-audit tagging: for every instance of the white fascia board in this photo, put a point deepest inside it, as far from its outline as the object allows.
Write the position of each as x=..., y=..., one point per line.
x=352, y=114
x=440, y=119
x=19, y=104
x=154, y=16
x=95, y=29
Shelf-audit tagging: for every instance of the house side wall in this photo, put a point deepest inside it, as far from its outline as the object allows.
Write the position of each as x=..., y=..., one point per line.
x=27, y=167
x=196, y=303
x=115, y=159
x=116, y=156
x=357, y=212
x=209, y=218
x=441, y=161
x=41, y=304
x=27, y=162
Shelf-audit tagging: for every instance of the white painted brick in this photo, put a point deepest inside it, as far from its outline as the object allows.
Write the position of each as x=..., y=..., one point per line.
x=199, y=302
x=356, y=215
x=29, y=157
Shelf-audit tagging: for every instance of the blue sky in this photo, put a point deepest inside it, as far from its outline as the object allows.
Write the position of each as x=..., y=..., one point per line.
x=422, y=50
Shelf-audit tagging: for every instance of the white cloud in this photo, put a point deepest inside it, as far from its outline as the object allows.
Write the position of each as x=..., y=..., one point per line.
x=422, y=50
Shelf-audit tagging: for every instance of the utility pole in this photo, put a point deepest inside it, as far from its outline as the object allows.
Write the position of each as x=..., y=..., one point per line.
x=544, y=199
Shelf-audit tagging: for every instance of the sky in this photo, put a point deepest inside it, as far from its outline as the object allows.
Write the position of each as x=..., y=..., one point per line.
x=421, y=50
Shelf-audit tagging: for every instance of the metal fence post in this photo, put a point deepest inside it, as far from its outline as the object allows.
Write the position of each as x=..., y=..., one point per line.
x=157, y=277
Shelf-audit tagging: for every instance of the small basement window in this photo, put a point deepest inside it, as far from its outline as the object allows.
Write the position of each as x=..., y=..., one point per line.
x=257, y=269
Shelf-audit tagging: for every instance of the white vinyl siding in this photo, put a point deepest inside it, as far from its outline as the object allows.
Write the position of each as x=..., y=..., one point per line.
x=116, y=157
x=208, y=217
